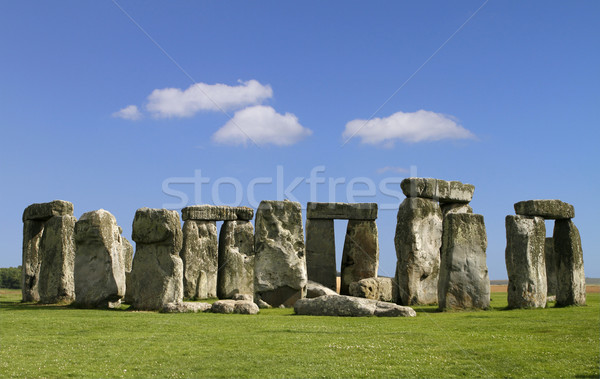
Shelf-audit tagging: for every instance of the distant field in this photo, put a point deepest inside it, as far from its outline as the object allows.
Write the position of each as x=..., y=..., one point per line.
x=51, y=341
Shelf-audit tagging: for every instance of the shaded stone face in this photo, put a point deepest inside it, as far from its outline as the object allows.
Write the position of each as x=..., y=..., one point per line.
x=44, y=211
x=216, y=213
x=437, y=189
x=569, y=254
x=464, y=281
x=455, y=208
x=381, y=288
x=236, y=260
x=320, y=252
x=199, y=255
x=418, y=240
x=32, y=236
x=127, y=253
x=525, y=263
x=551, y=262
x=341, y=211
x=548, y=209
x=360, y=257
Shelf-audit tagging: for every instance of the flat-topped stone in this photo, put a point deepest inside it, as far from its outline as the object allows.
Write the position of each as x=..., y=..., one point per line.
x=342, y=211
x=349, y=306
x=441, y=190
x=216, y=213
x=43, y=211
x=548, y=209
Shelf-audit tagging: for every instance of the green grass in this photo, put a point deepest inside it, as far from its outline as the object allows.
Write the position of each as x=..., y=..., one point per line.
x=51, y=341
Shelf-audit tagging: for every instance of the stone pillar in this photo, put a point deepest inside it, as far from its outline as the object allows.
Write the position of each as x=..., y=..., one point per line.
x=525, y=240
x=463, y=281
x=32, y=236
x=418, y=240
x=320, y=252
x=200, y=259
x=570, y=275
x=157, y=274
x=280, y=262
x=551, y=261
x=236, y=259
x=360, y=258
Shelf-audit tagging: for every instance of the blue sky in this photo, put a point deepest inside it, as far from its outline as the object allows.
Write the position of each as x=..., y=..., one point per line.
x=250, y=98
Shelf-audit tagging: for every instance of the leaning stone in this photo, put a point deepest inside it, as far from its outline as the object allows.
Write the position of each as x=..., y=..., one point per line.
x=548, y=209
x=32, y=236
x=455, y=208
x=341, y=211
x=418, y=240
x=185, y=307
x=57, y=256
x=216, y=213
x=280, y=262
x=380, y=288
x=464, y=282
x=200, y=259
x=360, y=257
x=570, y=275
x=236, y=260
x=320, y=252
x=127, y=253
x=525, y=240
x=235, y=306
x=340, y=305
x=551, y=271
x=43, y=211
x=437, y=189
x=157, y=274
x=314, y=289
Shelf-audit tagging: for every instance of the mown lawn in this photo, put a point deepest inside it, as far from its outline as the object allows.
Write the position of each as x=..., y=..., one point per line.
x=48, y=341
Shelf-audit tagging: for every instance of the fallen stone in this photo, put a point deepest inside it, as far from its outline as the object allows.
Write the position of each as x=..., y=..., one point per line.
x=340, y=305
x=548, y=209
x=235, y=306
x=99, y=261
x=320, y=252
x=464, y=282
x=262, y=304
x=418, y=240
x=437, y=189
x=32, y=236
x=280, y=261
x=236, y=260
x=216, y=213
x=525, y=240
x=342, y=211
x=200, y=259
x=455, y=208
x=360, y=257
x=127, y=253
x=243, y=296
x=43, y=211
x=186, y=307
x=570, y=275
x=380, y=288
x=551, y=261
x=314, y=289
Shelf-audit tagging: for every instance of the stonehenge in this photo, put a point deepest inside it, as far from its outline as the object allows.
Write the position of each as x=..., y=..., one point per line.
x=349, y=306
x=380, y=288
x=236, y=259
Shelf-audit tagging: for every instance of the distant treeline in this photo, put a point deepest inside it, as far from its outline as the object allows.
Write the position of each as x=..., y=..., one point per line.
x=10, y=277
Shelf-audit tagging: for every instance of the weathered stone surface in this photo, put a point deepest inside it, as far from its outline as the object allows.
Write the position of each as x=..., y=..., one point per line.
x=200, y=259
x=216, y=213
x=569, y=254
x=156, y=277
x=418, y=240
x=360, y=257
x=32, y=236
x=127, y=253
x=340, y=305
x=464, y=282
x=380, y=288
x=280, y=261
x=236, y=260
x=525, y=240
x=99, y=260
x=57, y=256
x=548, y=209
x=437, y=189
x=185, y=307
x=235, y=306
x=320, y=252
x=341, y=211
x=243, y=296
x=43, y=211
x=455, y=208
x=314, y=289
x=551, y=270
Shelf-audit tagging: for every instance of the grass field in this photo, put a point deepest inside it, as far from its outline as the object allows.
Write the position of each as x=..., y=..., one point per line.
x=50, y=341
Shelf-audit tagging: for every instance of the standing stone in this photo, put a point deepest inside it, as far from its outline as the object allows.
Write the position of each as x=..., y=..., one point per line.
x=200, y=261
x=280, y=262
x=455, y=208
x=551, y=271
x=525, y=240
x=380, y=288
x=57, y=256
x=44, y=211
x=127, y=253
x=418, y=240
x=570, y=275
x=236, y=260
x=360, y=257
x=32, y=236
x=157, y=274
x=99, y=261
x=464, y=281
x=320, y=252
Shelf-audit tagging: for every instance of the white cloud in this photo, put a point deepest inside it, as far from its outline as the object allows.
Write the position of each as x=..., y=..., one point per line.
x=130, y=112
x=262, y=125
x=397, y=170
x=174, y=102
x=409, y=127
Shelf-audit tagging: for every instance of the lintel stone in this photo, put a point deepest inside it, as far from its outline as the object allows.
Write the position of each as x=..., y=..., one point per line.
x=44, y=211
x=342, y=211
x=548, y=209
x=437, y=189
x=216, y=213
